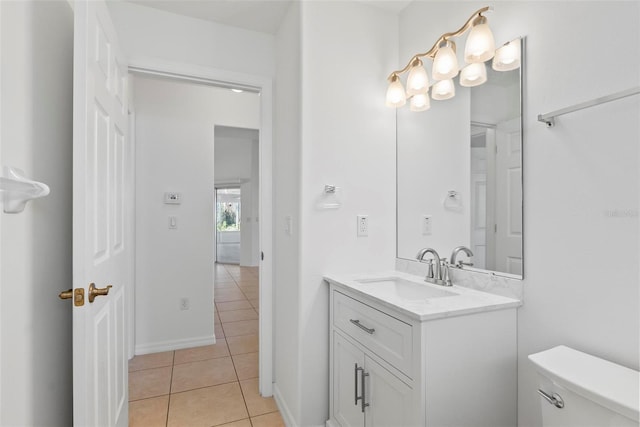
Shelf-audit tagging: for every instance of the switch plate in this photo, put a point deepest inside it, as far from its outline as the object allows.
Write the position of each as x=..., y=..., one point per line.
x=427, y=223
x=172, y=198
x=363, y=225
x=288, y=225
x=173, y=222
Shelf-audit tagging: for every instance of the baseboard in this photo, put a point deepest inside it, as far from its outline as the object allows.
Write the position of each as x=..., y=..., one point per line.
x=158, y=347
x=288, y=419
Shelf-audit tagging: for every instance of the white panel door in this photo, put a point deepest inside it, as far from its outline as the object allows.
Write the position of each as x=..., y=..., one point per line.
x=509, y=197
x=348, y=365
x=390, y=401
x=100, y=255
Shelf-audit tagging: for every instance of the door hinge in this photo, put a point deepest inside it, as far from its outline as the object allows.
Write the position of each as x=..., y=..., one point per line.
x=261, y=256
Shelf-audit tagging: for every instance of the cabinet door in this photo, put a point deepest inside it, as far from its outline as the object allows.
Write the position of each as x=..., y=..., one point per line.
x=390, y=400
x=347, y=382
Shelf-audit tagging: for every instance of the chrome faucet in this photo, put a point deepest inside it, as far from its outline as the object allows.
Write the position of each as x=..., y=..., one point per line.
x=439, y=276
x=455, y=253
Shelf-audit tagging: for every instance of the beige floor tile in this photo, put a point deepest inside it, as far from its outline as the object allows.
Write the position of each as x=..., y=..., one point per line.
x=236, y=315
x=148, y=361
x=149, y=412
x=243, y=344
x=242, y=327
x=241, y=423
x=256, y=404
x=243, y=276
x=219, y=349
x=205, y=373
x=251, y=294
x=248, y=288
x=233, y=305
x=248, y=282
x=246, y=365
x=207, y=407
x=268, y=420
x=225, y=285
x=225, y=295
x=218, y=331
x=149, y=383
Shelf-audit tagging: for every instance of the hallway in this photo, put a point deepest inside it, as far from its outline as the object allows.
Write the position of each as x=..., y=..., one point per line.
x=215, y=385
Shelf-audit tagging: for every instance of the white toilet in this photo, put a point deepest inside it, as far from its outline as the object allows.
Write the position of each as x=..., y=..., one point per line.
x=580, y=390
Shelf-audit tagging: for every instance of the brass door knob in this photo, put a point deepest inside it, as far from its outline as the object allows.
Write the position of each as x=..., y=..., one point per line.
x=96, y=292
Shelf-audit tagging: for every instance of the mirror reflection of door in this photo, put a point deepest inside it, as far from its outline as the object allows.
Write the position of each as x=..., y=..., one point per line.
x=228, y=223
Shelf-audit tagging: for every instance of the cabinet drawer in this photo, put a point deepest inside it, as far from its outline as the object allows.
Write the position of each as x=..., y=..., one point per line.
x=388, y=337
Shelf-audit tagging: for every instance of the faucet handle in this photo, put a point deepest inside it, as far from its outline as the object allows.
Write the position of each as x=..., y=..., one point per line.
x=430, y=269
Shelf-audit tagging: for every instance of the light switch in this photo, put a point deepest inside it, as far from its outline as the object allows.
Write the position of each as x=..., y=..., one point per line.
x=288, y=225
x=427, y=223
x=173, y=222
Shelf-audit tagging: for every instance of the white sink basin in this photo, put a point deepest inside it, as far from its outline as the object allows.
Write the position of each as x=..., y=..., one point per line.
x=404, y=289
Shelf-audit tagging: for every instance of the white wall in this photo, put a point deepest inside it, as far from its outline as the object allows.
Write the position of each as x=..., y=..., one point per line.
x=151, y=33
x=286, y=194
x=581, y=261
x=348, y=139
x=35, y=263
x=175, y=152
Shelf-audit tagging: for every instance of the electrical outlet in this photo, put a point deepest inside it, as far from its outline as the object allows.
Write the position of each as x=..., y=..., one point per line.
x=363, y=225
x=427, y=222
x=184, y=304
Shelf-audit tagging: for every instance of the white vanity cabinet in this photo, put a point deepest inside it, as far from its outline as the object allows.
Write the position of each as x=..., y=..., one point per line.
x=388, y=369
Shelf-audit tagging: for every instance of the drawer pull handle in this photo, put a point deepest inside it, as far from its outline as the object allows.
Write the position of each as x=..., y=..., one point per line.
x=370, y=331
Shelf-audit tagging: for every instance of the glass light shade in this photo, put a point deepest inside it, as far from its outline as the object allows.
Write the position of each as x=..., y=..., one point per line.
x=507, y=57
x=443, y=89
x=473, y=74
x=480, y=44
x=445, y=63
x=420, y=102
x=396, y=97
x=418, y=81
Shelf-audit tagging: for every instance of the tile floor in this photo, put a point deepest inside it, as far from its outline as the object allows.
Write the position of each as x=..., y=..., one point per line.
x=215, y=385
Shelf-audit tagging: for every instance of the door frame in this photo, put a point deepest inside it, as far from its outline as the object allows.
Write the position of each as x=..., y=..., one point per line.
x=224, y=78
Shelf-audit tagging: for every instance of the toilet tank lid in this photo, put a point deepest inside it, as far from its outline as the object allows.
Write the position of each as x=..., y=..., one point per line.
x=606, y=383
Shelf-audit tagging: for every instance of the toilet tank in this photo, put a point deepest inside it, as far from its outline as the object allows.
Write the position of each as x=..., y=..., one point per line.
x=594, y=392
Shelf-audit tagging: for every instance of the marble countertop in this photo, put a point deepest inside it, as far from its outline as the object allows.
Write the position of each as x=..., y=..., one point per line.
x=466, y=301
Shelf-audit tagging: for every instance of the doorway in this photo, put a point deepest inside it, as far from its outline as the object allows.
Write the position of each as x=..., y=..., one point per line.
x=228, y=226
x=263, y=242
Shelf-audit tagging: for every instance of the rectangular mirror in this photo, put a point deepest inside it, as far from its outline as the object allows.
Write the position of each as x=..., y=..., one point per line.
x=459, y=175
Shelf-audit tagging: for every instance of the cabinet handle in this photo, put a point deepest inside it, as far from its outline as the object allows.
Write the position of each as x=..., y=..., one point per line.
x=362, y=377
x=370, y=331
x=355, y=387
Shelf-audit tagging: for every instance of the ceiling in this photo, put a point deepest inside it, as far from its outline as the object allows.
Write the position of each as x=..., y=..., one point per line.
x=263, y=16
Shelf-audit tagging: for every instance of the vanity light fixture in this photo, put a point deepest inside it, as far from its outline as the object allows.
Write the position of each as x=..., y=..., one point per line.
x=418, y=81
x=507, y=56
x=444, y=89
x=420, y=102
x=445, y=63
x=479, y=47
x=395, y=93
x=473, y=74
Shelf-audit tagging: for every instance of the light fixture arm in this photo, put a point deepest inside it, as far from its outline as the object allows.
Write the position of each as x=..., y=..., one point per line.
x=431, y=53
